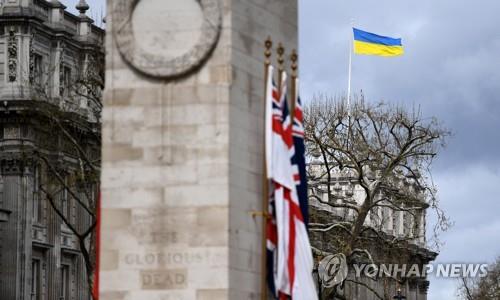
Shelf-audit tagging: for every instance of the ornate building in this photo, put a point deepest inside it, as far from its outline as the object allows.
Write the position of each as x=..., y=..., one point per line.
x=392, y=236
x=44, y=51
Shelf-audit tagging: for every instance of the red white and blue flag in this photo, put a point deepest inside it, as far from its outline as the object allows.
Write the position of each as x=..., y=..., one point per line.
x=290, y=261
x=298, y=159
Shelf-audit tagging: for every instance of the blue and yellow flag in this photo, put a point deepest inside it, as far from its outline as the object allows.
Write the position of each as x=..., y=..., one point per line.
x=372, y=44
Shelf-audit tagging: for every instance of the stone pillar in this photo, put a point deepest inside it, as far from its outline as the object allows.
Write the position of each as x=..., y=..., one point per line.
x=183, y=146
x=10, y=238
x=84, y=24
x=56, y=74
x=56, y=12
x=15, y=258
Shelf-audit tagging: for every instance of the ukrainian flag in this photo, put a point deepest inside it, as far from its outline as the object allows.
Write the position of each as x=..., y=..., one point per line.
x=373, y=44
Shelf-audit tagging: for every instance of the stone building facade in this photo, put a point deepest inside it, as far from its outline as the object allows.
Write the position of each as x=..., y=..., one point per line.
x=407, y=225
x=43, y=51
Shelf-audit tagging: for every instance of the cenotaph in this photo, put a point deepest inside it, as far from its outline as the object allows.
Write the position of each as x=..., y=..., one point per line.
x=183, y=146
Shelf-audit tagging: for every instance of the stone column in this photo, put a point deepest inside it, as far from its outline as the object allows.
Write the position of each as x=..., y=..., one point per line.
x=15, y=258
x=10, y=285
x=183, y=146
x=56, y=74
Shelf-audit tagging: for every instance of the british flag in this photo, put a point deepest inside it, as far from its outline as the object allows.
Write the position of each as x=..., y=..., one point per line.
x=290, y=260
x=273, y=120
x=298, y=159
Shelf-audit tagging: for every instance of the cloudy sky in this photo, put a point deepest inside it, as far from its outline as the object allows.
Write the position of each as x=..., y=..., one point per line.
x=451, y=69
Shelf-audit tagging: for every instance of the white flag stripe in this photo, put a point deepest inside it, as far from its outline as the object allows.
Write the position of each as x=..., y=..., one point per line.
x=282, y=219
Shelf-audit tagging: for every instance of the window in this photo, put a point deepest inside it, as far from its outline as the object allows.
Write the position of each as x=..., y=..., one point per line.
x=407, y=224
x=37, y=201
x=390, y=220
x=1, y=188
x=66, y=80
x=398, y=224
x=394, y=223
x=64, y=282
x=416, y=223
x=37, y=69
x=383, y=218
x=65, y=207
x=64, y=201
x=374, y=216
x=35, y=280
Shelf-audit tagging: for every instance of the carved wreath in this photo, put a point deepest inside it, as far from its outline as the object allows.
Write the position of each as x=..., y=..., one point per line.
x=156, y=65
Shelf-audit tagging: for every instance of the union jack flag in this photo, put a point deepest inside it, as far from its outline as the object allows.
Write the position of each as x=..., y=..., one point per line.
x=290, y=260
x=298, y=159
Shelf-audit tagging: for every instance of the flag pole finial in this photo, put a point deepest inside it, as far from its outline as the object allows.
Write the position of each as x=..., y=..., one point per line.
x=281, y=60
x=267, y=53
x=294, y=57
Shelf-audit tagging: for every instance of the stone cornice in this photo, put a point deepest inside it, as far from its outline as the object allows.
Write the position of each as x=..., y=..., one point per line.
x=41, y=245
x=54, y=4
x=16, y=15
x=54, y=32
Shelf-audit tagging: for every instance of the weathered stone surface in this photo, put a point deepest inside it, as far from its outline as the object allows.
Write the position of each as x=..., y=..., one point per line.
x=45, y=54
x=109, y=260
x=184, y=156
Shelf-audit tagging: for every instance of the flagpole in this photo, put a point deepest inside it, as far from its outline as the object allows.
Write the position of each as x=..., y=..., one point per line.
x=265, y=182
x=293, y=58
x=349, y=86
x=349, y=81
x=281, y=68
x=350, y=74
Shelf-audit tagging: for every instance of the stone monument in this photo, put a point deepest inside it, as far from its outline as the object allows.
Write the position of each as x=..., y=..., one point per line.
x=183, y=146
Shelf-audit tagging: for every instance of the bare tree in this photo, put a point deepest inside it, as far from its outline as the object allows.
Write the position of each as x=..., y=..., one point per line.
x=383, y=154
x=68, y=152
x=482, y=288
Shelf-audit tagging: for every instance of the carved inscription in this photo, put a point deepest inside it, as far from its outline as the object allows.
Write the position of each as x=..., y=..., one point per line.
x=159, y=226
x=174, y=258
x=160, y=62
x=163, y=279
x=154, y=237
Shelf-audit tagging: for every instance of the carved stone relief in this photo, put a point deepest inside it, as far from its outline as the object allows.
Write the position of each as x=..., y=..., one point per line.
x=170, y=53
x=12, y=50
x=61, y=69
x=32, y=58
